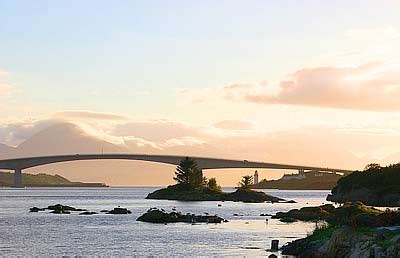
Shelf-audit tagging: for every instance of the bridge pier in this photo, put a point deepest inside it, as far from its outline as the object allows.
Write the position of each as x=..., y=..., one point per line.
x=18, y=178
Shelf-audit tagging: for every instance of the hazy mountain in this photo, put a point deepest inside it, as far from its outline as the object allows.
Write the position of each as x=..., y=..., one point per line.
x=6, y=151
x=64, y=138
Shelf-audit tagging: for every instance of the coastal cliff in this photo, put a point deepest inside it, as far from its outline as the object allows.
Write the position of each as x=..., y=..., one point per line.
x=305, y=181
x=375, y=186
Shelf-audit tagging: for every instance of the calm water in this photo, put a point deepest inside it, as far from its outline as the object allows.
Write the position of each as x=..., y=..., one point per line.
x=38, y=234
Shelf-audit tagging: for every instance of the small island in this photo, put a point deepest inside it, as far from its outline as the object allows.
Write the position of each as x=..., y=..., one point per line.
x=375, y=186
x=155, y=215
x=43, y=180
x=193, y=186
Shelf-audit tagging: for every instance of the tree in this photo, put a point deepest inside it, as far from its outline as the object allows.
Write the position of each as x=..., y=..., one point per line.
x=188, y=173
x=212, y=184
x=372, y=166
x=246, y=182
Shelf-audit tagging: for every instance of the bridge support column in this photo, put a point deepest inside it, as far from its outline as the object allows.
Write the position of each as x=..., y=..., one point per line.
x=18, y=178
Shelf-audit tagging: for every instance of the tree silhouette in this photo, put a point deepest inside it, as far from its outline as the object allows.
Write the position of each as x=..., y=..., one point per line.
x=212, y=184
x=188, y=173
x=246, y=182
x=372, y=166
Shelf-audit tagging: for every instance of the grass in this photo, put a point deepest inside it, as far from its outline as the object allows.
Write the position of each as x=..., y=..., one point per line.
x=322, y=231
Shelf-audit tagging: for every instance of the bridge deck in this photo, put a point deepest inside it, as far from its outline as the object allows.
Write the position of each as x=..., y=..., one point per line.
x=203, y=162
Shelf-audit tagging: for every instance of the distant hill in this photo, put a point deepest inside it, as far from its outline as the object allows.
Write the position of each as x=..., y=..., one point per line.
x=375, y=186
x=306, y=181
x=7, y=179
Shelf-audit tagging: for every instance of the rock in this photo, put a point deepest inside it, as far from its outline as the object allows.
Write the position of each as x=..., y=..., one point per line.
x=291, y=201
x=36, y=209
x=265, y=214
x=119, y=210
x=366, y=220
x=104, y=211
x=60, y=212
x=88, y=213
x=158, y=216
x=287, y=220
x=63, y=207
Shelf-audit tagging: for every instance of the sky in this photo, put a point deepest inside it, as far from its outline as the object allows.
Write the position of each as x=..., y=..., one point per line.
x=259, y=79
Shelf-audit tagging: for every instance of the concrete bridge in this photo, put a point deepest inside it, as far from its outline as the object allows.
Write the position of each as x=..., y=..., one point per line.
x=205, y=163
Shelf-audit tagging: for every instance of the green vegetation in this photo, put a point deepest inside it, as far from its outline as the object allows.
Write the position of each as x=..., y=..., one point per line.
x=246, y=182
x=189, y=176
x=351, y=214
x=375, y=186
x=187, y=173
x=322, y=232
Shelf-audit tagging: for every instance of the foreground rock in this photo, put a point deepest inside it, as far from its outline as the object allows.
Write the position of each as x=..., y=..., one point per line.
x=183, y=193
x=158, y=216
x=345, y=241
x=353, y=214
x=376, y=186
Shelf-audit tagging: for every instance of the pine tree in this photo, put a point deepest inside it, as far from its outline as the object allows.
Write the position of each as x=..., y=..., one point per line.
x=246, y=182
x=188, y=173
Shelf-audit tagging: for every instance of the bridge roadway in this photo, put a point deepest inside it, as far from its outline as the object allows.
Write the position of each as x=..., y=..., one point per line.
x=205, y=163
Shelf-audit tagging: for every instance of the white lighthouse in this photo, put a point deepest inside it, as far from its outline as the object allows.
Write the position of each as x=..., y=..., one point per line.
x=256, y=177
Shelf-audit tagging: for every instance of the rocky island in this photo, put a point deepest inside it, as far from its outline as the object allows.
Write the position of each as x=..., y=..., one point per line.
x=193, y=186
x=375, y=186
x=155, y=215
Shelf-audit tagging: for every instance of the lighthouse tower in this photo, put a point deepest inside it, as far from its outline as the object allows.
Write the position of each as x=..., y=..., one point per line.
x=256, y=177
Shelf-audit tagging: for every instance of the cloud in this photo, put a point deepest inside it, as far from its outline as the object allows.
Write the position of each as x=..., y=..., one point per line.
x=234, y=125
x=373, y=86
x=14, y=133
x=89, y=115
x=156, y=130
x=5, y=88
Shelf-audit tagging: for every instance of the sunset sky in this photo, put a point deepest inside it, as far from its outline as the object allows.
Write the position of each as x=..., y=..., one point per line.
x=300, y=82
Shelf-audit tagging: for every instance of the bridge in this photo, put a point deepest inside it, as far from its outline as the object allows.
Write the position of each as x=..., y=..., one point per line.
x=17, y=165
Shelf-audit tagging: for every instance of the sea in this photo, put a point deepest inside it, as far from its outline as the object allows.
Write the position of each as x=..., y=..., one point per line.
x=248, y=234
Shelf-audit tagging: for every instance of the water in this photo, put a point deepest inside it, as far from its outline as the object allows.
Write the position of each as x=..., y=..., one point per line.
x=43, y=234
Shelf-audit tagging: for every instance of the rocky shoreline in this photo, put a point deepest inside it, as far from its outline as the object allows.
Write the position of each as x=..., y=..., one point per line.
x=346, y=241
x=351, y=230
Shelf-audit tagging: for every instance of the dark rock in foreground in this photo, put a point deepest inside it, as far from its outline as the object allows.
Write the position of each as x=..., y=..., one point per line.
x=184, y=193
x=119, y=210
x=159, y=216
x=352, y=214
x=346, y=242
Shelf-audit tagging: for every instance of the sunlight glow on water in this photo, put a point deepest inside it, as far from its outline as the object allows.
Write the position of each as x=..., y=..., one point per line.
x=38, y=234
